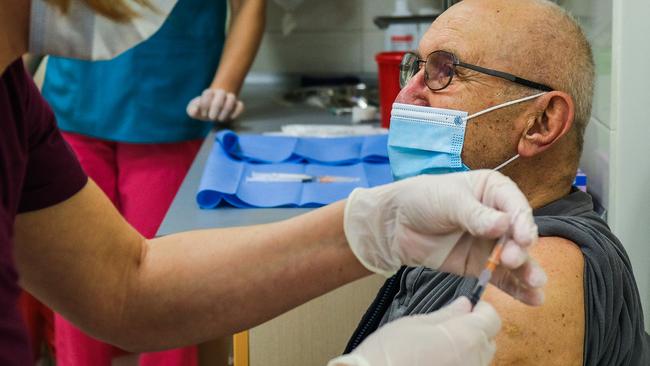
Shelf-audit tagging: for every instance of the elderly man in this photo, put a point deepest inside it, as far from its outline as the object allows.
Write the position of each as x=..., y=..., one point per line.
x=523, y=72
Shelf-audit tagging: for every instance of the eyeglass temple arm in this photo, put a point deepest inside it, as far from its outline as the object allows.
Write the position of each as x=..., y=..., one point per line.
x=505, y=75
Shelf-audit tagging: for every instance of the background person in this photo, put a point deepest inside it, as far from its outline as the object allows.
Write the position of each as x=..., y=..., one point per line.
x=126, y=121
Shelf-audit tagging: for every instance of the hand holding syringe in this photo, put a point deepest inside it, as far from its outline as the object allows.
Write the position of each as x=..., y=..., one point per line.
x=486, y=274
x=494, y=261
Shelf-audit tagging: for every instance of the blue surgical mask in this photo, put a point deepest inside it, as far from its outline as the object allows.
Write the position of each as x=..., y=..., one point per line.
x=427, y=140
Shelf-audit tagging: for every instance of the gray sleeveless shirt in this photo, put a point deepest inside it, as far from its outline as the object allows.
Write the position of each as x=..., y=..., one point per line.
x=614, y=333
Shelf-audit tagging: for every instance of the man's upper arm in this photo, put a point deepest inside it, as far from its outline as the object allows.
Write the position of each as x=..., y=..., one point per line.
x=552, y=334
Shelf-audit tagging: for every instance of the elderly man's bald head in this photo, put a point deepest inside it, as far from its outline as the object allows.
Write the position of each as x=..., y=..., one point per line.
x=534, y=39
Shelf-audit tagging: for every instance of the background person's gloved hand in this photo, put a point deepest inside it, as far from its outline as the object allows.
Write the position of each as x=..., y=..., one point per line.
x=451, y=336
x=447, y=222
x=216, y=105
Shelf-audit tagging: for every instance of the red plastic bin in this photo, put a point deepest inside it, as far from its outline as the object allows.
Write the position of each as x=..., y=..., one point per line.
x=388, y=65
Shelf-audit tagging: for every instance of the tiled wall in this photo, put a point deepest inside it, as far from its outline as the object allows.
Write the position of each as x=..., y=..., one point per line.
x=331, y=37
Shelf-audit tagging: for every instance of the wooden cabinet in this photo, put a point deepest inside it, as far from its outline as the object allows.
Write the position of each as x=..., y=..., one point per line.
x=311, y=334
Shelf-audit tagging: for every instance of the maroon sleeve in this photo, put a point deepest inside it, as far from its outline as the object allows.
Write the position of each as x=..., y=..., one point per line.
x=53, y=173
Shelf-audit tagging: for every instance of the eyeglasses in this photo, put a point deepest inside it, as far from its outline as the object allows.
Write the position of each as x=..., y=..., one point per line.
x=439, y=69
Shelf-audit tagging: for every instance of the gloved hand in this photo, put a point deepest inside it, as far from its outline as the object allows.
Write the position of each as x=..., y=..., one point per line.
x=215, y=105
x=449, y=223
x=452, y=336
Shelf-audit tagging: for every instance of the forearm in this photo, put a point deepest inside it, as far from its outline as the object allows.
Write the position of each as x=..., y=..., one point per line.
x=197, y=285
x=244, y=37
x=83, y=260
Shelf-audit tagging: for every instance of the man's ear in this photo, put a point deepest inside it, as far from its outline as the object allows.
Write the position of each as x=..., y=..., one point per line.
x=549, y=118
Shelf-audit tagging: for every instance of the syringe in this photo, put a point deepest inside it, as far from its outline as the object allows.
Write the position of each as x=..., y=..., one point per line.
x=266, y=177
x=486, y=274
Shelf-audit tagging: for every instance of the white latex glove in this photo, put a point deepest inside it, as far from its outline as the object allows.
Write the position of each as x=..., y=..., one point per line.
x=449, y=223
x=451, y=336
x=215, y=105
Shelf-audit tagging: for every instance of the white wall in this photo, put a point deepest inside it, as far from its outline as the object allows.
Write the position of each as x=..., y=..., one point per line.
x=332, y=36
x=596, y=20
x=618, y=137
x=629, y=190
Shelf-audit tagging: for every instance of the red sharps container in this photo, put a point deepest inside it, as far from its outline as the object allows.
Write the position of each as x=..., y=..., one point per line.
x=388, y=65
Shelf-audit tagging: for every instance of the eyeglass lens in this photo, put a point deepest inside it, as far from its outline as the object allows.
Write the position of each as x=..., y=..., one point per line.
x=408, y=68
x=439, y=69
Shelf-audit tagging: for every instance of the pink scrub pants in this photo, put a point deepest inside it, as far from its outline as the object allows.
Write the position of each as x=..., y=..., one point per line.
x=141, y=180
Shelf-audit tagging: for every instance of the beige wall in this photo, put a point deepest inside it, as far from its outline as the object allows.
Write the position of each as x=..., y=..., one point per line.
x=315, y=332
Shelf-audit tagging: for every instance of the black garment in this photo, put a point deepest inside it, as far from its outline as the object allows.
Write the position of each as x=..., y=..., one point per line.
x=614, y=333
x=37, y=170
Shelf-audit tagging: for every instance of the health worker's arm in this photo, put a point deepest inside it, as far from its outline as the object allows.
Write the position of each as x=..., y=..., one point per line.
x=248, y=18
x=551, y=334
x=81, y=258
x=220, y=102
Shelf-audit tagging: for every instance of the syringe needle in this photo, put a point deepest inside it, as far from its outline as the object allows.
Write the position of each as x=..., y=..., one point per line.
x=486, y=274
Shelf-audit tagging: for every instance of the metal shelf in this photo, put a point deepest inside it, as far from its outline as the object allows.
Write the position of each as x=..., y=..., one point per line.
x=383, y=21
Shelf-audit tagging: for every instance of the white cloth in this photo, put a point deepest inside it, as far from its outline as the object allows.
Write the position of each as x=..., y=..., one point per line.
x=83, y=34
x=452, y=336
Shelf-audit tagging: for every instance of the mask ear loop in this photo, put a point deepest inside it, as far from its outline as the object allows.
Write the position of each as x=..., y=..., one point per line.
x=506, y=163
x=504, y=105
x=501, y=166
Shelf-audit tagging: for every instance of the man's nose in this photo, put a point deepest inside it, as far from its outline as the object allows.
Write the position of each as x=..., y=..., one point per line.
x=415, y=92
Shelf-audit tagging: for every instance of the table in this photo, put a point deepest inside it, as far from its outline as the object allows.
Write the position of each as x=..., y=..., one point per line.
x=266, y=112
x=313, y=332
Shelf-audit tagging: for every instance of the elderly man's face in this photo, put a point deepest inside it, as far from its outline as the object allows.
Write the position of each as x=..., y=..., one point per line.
x=490, y=139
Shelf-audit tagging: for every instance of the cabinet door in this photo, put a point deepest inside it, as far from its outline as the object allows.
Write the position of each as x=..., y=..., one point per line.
x=313, y=333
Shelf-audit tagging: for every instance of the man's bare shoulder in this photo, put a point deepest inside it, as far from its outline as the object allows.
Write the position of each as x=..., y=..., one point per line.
x=552, y=334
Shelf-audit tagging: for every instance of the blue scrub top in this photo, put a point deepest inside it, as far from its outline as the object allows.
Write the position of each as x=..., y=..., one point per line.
x=141, y=96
